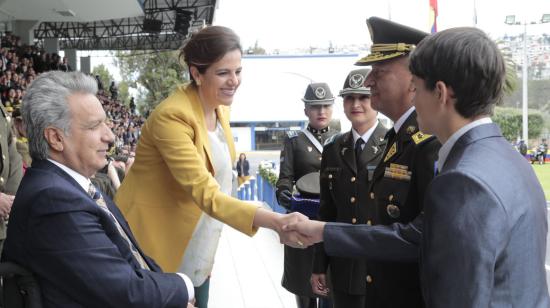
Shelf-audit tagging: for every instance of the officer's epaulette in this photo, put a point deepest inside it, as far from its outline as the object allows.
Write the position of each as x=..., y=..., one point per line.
x=332, y=139
x=420, y=137
x=292, y=134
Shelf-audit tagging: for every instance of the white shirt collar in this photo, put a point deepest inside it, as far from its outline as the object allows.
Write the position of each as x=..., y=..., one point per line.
x=446, y=148
x=397, y=125
x=79, y=178
x=365, y=136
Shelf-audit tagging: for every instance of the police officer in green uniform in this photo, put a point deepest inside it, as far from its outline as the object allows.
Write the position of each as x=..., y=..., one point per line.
x=301, y=155
x=11, y=171
x=408, y=164
x=348, y=164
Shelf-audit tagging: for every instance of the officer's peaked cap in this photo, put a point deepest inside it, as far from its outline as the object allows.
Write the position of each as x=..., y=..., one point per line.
x=390, y=40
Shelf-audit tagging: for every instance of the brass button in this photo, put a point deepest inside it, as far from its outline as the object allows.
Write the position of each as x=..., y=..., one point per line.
x=330, y=176
x=390, y=197
x=352, y=199
x=372, y=195
x=353, y=220
x=1, y=181
x=352, y=179
x=369, y=223
x=3, y=157
x=369, y=279
x=320, y=158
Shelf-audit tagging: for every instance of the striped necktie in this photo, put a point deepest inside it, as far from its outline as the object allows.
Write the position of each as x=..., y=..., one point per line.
x=98, y=198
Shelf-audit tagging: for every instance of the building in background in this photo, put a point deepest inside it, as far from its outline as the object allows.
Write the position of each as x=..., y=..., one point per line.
x=268, y=102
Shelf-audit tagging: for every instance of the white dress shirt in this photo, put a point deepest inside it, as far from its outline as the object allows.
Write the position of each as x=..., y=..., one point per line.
x=365, y=136
x=448, y=145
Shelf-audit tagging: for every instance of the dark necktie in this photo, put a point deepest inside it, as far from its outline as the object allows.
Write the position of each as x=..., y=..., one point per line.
x=390, y=136
x=358, y=149
x=98, y=198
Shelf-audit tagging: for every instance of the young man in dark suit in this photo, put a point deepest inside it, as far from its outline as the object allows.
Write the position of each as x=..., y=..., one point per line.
x=484, y=240
x=73, y=238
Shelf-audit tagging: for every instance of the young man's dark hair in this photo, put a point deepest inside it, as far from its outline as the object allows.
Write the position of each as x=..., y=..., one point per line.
x=466, y=60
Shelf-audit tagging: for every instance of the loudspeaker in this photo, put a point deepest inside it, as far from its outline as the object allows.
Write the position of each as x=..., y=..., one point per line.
x=151, y=25
x=183, y=21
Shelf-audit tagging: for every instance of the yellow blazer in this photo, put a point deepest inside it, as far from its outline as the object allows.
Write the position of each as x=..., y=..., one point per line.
x=171, y=181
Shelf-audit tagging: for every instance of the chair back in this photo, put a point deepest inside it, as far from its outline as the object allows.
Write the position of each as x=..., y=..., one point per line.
x=19, y=286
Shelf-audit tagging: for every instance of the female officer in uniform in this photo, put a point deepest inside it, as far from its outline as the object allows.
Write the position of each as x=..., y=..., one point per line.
x=349, y=160
x=302, y=155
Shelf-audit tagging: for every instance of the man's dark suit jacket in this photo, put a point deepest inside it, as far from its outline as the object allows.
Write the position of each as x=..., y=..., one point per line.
x=57, y=231
x=485, y=228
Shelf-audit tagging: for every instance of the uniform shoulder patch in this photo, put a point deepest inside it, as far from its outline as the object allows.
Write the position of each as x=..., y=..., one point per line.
x=292, y=134
x=332, y=139
x=420, y=137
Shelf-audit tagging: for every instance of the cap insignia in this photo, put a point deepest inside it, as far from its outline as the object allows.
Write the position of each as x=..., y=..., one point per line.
x=320, y=92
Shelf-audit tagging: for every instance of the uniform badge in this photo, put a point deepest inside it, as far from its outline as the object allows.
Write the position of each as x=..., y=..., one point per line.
x=356, y=81
x=391, y=152
x=411, y=129
x=320, y=92
x=419, y=137
x=375, y=149
x=393, y=211
x=309, y=149
x=343, y=151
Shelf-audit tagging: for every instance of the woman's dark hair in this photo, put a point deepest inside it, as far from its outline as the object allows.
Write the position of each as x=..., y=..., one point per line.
x=208, y=46
x=468, y=61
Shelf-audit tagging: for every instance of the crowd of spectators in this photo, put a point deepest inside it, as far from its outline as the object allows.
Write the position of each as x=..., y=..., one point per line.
x=19, y=66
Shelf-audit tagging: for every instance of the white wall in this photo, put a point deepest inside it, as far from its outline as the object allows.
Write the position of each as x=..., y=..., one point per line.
x=242, y=138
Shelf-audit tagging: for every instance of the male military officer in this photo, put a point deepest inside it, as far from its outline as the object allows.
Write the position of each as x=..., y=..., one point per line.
x=301, y=155
x=11, y=171
x=347, y=167
x=392, y=243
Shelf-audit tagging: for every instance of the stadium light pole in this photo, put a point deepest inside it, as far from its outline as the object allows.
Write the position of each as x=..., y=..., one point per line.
x=511, y=20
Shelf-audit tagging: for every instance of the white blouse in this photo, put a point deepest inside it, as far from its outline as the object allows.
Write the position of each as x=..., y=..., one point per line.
x=198, y=259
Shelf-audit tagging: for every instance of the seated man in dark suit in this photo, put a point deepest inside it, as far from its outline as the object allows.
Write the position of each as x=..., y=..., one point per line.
x=62, y=228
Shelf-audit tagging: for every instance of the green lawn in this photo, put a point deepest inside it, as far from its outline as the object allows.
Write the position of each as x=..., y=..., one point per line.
x=543, y=173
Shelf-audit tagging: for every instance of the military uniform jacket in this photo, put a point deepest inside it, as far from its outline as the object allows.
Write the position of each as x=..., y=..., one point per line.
x=396, y=194
x=298, y=158
x=344, y=199
x=11, y=168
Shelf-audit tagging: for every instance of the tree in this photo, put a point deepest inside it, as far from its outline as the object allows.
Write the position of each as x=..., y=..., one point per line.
x=156, y=72
x=510, y=122
x=104, y=75
x=123, y=92
x=256, y=50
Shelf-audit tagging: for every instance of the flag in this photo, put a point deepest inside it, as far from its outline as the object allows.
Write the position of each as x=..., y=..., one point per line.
x=433, y=16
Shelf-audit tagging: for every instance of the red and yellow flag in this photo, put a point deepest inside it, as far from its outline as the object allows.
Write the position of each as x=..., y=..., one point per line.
x=433, y=16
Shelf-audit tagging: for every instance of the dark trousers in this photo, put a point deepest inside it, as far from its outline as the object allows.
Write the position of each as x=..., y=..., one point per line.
x=345, y=300
x=201, y=294
x=311, y=302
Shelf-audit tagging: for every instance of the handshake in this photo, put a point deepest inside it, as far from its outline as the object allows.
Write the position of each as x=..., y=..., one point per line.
x=296, y=230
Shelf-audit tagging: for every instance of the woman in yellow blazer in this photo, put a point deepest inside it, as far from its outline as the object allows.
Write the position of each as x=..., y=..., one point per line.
x=173, y=180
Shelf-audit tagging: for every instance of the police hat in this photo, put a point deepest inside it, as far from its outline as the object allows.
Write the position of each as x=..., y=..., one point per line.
x=355, y=82
x=318, y=94
x=308, y=185
x=390, y=40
